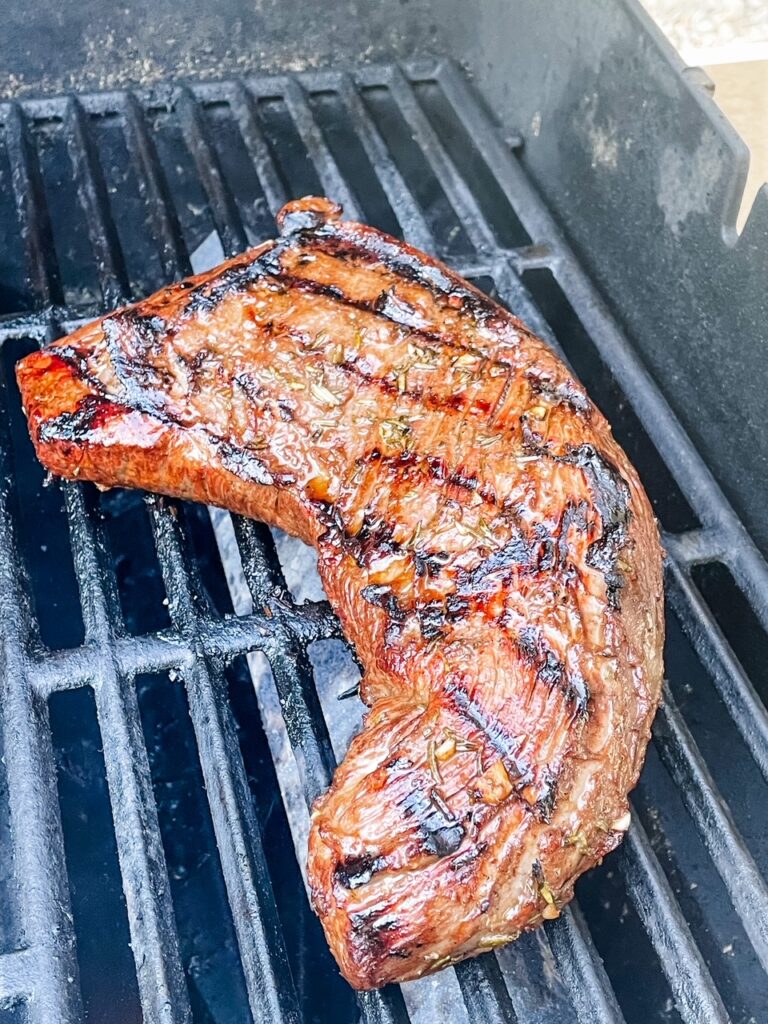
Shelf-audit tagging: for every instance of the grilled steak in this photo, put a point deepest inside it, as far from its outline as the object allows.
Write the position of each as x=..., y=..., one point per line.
x=484, y=540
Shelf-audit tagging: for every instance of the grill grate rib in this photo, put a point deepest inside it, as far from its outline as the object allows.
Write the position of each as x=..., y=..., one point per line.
x=142, y=861
x=695, y=993
x=199, y=643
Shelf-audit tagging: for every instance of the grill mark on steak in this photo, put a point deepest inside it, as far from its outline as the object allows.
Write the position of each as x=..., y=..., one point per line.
x=552, y=671
x=364, y=250
x=373, y=931
x=91, y=412
x=390, y=311
x=334, y=242
x=566, y=391
x=356, y=871
x=413, y=462
x=456, y=697
x=78, y=362
x=469, y=589
x=440, y=832
x=245, y=464
x=545, y=804
x=130, y=365
x=369, y=251
x=612, y=499
x=458, y=402
x=381, y=596
x=516, y=553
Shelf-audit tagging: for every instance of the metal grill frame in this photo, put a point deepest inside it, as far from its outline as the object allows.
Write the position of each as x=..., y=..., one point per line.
x=198, y=646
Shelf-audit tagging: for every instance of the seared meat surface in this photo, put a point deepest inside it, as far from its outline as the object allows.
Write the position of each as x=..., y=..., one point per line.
x=485, y=542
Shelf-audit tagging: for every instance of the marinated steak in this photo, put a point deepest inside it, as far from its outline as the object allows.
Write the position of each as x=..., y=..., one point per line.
x=484, y=540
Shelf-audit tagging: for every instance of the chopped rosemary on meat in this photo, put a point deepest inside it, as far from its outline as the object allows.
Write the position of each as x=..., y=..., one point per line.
x=577, y=839
x=437, y=964
x=421, y=355
x=492, y=941
x=546, y=894
x=324, y=394
x=396, y=434
x=316, y=343
x=413, y=539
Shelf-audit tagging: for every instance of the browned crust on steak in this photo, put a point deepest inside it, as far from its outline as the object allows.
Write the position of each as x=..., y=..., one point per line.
x=486, y=543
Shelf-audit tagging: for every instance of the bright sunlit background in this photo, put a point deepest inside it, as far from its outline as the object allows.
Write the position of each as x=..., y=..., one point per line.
x=729, y=39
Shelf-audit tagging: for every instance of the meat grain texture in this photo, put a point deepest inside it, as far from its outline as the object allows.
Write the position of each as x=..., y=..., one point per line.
x=485, y=542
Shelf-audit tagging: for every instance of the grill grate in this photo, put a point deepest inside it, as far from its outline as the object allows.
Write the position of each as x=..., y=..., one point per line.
x=403, y=148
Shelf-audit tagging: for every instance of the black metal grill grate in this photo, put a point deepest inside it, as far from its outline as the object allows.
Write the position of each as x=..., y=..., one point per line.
x=105, y=196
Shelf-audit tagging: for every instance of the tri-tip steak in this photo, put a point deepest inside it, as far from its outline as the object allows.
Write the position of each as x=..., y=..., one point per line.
x=484, y=540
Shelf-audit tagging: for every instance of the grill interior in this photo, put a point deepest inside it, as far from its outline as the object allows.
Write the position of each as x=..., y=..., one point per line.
x=169, y=676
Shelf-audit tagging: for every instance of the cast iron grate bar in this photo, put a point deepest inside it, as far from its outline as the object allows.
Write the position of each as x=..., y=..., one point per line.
x=734, y=686
x=162, y=987
x=696, y=997
x=305, y=724
x=254, y=913
x=332, y=180
x=17, y=973
x=397, y=192
x=46, y=964
x=264, y=963
x=229, y=227
x=582, y=969
x=145, y=879
x=199, y=643
x=173, y=252
x=734, y=863
x=93, y=198
x=42, y=268
x=243, y=106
